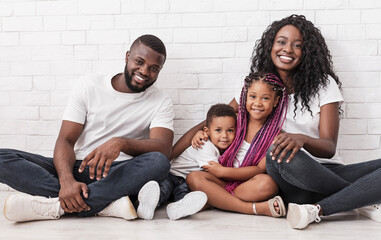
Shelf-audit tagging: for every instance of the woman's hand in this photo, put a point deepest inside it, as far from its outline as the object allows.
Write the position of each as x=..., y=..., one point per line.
x=285, y=142
x=197, y=139
x=214, y=168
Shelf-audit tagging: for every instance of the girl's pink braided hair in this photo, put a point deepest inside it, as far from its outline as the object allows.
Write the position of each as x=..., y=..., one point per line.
x=262, y=140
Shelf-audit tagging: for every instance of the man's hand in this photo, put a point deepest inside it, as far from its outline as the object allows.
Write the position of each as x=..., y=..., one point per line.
x=214, y=168
x=101, y=157
x=71, y=199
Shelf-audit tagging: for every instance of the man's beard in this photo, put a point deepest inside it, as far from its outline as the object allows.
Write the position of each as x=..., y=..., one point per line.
x=136, y=89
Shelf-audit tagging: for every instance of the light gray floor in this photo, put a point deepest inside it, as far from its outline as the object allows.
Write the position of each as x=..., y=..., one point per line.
x=212, y=224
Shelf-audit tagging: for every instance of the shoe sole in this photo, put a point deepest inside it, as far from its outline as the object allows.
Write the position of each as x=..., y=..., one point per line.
x=151, y=192
x=295, y=217
x=6, y=207
x=192, y=203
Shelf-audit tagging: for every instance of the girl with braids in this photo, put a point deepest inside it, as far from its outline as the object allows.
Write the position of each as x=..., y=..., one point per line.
x=238, y=182
x=302, y=159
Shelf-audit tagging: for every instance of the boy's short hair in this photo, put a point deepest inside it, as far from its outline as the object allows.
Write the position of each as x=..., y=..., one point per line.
x=220, y=110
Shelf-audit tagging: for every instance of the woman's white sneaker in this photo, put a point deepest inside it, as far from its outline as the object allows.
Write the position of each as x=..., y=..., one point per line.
x=299, y=216
x=373, y=212
x=121, y=208
x=189, y=205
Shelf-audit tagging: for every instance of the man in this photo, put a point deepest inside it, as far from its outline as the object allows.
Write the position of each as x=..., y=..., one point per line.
x=116, y=136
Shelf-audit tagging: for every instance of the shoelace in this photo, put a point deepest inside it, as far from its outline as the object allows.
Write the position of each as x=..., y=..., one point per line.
x=314, y=213
x=45, y=208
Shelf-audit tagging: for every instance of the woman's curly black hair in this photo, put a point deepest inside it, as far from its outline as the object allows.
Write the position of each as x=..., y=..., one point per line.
x=316, y=62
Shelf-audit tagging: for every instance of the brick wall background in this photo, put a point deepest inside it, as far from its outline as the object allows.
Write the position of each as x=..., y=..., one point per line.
x=45, y=46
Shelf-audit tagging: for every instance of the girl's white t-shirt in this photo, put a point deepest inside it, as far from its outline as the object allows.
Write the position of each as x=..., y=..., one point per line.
x=305, y=123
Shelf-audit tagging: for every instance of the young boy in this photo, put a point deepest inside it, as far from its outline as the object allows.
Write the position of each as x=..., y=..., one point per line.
x=220, y=127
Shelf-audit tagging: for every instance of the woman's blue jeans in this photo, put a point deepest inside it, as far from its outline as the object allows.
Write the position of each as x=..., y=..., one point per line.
x=336, y=188
x=36, y=175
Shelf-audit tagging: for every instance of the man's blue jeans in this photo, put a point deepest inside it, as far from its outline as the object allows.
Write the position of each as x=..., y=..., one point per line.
x=36, y=175
x=173, y=186
x=336, y=188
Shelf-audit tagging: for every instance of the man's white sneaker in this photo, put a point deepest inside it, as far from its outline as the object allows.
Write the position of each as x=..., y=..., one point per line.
x=24, y=207
x=299, y=216
x=373, y=212
x=148, y=198
x=189, y=205
x=121, y=208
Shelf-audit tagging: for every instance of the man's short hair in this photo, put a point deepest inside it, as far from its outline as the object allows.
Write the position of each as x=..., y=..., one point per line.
x=152, y=42
x=219, y=110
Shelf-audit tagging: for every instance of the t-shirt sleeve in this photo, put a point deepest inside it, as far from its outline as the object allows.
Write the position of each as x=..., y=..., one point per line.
x=164, y=116
x=331, y=93
x=208, y=153
x=76, y=110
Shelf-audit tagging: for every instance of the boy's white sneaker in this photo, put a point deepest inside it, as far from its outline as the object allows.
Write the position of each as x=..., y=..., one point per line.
x=121, y=208
x=299, y=216
x=148, y=198
x=189, y=205
x=373, y=212
x=23, y=207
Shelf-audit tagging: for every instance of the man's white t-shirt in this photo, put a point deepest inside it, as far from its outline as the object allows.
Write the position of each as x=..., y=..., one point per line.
x=192, y=160
x=304, y=123
x=107, y=113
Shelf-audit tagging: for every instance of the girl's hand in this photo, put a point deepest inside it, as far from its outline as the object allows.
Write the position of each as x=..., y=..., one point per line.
x=197, y=139
x=214, y=168
x=285, y=142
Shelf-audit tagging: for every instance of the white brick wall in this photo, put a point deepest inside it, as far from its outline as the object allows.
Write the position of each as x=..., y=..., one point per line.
x=45, y=46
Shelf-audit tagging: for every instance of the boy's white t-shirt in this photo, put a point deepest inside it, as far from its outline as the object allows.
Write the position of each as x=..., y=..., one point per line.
x=192, y=160
x=304, y=123
x=107, y=113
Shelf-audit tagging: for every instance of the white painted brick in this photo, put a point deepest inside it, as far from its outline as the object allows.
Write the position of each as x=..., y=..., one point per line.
x=24, y=24
x=185, y=35
x=345, y=17
x=66, y=7
x=191, y=6
x=373, y=31
x=230, y=6
x=201, y=66
x=12, y=141
x=342, y=64
x=30, y=98
x=135, y=21
x=11, y=54
x=362, y=95
x=371, y=16
x=40, y=38
x=357, y=156
x=179, y=50
x=8, y=83
x=19, y=112
x=98, y=22
x=213, y=50
x=199, y=96
x=108, y=67
x=214, y=35
x=78, y=22
x=112, y=52
x=353, y=126
x=55, y=23
x=244, y=49
x=107, y=37
x=254, y=33
x=224, y=81
x=73, y=37
x=171, y=66
x=4, y=98
x=182, y=126
x=236, y=65
x=164, y=34
x=5, y=10
x=4, y=68
x=374, y=126
x=345, y=48
x=173, y=94
x=52, y=52
x=278, y=15
x=27, y=127
x=98, y=7
x=360, y=79
x=365, y=4
x=329, y=32
x=65, y=82
x=203, y=20
x=133, y=6
x=358, y=142
x=52, y=113
x=363, y=110
x=240, y=19
x=235, y=34
x=24, y=8
x=43, y=83
x=29, y=68
x=280, y=5
x=9, y=39
x=40, y=142
x=70, y=67
x=189, y=112
x=353, y=32
x=157, y=6
x=169, y=20
x=370, y=63
x=326, y=4
x=227, y=95
x=177, y=81
x=86, y=52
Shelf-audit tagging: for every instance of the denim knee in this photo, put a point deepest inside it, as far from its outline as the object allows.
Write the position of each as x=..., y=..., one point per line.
x=158, y=161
